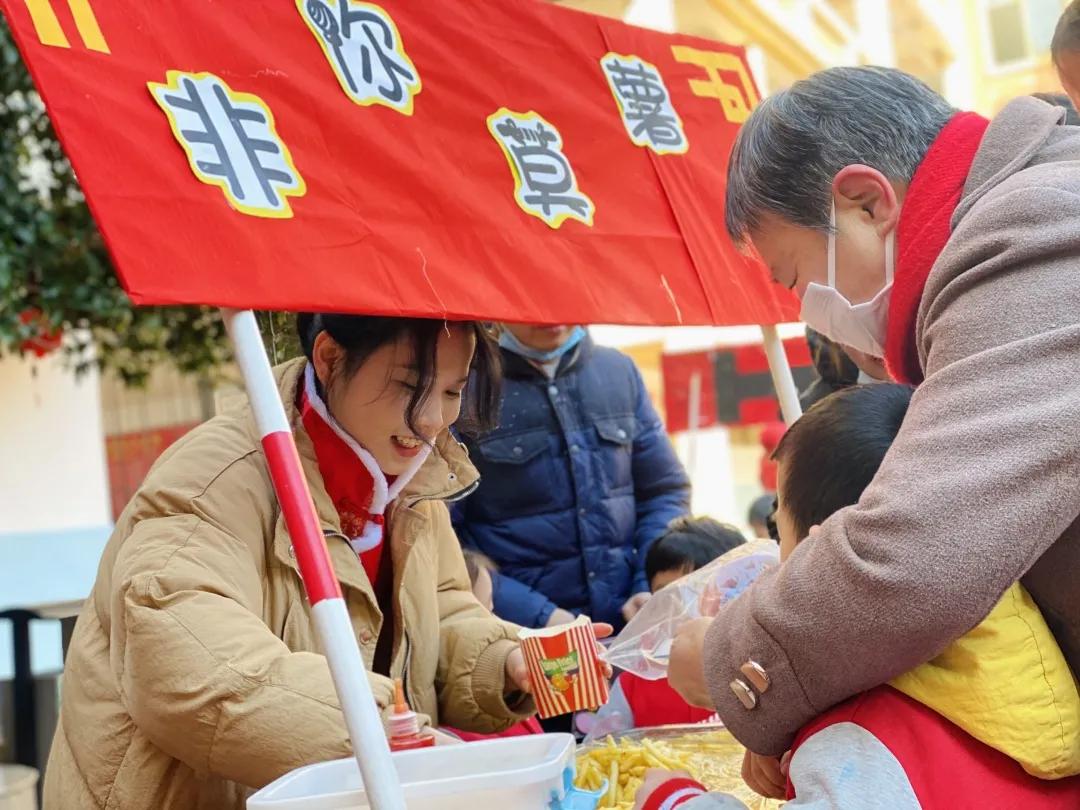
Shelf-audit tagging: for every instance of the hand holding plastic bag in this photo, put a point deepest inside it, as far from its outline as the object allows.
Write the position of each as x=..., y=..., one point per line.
x=644, y=644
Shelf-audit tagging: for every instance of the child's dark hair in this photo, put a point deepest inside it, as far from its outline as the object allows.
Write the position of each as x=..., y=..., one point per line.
x=1067, y=32
x=362, y=335
x=761, y=508
x=689, y=543
x=832, y=453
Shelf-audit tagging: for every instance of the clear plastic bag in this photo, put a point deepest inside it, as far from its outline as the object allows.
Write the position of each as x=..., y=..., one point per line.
x=644, y=644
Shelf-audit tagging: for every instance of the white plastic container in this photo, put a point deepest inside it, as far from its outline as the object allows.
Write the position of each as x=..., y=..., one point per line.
x=515, y=773
x=18, y=787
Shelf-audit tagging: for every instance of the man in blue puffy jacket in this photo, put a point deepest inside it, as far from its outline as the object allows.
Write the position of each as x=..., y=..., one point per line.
x=576, y=483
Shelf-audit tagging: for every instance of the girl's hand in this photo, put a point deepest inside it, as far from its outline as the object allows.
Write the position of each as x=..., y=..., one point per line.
x=442, y=738
x=517, y=673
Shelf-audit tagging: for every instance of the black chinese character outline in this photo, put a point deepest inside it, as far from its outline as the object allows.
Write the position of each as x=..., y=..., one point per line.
x=535, y=159
x=252, y=146
x=337, y=29
x=644, y=96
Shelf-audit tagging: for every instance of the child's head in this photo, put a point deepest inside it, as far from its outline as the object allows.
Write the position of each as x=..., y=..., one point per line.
x=1065, y=50
x=687, y=545
x=758, y=518
x=480, y=568
x=830, y=455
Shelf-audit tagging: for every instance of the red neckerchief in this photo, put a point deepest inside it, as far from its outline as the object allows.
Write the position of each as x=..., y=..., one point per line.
x=350, y=485
x=922, y=232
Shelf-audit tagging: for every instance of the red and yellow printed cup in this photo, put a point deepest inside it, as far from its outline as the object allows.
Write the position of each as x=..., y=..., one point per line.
x=565, y=668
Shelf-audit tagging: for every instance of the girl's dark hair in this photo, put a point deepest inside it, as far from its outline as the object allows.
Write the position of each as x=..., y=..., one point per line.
x=361, y=335
x=833, y=452
x=689, y=543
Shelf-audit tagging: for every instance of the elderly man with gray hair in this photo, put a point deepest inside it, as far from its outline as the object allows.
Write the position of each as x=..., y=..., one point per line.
x=945, y=248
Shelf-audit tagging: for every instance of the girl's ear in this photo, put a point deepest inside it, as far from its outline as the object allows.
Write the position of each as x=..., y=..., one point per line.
x=327, y=356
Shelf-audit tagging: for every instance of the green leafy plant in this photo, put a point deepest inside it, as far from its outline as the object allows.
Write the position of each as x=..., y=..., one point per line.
x=55, y=274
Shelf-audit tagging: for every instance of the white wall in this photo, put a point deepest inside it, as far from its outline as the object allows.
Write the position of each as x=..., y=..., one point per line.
x=686, y=338
x=53, y=473
x=656, y=14
x=707, y=456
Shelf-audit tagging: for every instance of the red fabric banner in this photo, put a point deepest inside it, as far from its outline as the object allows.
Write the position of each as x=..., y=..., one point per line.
x=471, y=159
x=735, y=384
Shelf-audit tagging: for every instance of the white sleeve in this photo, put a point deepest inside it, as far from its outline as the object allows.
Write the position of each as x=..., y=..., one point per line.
x=845, y=766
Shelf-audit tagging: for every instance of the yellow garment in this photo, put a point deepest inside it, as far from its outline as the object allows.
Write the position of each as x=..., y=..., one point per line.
x=1006, y=684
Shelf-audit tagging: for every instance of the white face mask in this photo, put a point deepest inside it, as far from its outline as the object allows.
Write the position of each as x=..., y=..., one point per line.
x=860, y=326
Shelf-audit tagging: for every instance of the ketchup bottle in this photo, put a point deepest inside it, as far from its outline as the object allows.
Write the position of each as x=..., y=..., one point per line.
x=405, y=725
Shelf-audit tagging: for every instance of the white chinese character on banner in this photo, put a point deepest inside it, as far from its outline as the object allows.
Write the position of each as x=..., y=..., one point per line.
x=645, y=104
x=544, y=182
x=231, y=142
x=365, y=50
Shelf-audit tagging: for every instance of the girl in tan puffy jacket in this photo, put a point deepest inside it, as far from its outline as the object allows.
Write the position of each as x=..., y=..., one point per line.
x=194, y=674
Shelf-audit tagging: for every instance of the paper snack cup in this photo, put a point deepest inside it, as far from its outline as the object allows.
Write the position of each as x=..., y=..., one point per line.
x=565, y=669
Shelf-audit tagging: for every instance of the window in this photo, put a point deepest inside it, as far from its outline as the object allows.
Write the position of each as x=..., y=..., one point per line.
x=1019, y=31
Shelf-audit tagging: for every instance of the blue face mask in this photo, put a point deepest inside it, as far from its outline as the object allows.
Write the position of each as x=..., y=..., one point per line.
x=511, y=343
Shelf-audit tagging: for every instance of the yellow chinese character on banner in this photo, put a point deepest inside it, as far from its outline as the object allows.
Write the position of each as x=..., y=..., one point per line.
x=47, y=24
x=736, y=100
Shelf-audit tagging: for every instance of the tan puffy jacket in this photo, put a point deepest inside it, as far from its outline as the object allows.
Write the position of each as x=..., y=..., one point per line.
x=194, y=672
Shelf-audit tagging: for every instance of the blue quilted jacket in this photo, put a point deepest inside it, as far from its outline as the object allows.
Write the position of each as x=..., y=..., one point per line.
x=576, y=483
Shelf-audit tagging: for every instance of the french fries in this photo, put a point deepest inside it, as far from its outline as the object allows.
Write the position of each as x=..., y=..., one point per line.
x=712, y=757
x=623, y=765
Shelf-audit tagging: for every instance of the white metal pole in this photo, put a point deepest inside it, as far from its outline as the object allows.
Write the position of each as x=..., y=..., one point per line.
x=693, y=422
x=783, y=381
x=362, y=717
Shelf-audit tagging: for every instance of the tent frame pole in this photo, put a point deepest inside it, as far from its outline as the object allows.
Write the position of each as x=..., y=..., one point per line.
x=782, y=378
x=362, y=716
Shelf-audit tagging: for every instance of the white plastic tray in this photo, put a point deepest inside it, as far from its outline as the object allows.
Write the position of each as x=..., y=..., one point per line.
x=516, y=773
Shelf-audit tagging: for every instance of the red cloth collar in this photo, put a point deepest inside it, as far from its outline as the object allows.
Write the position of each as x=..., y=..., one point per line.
x=350, y=482
x=923, y=231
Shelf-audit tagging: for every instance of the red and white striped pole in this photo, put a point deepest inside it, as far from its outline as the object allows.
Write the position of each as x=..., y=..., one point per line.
x=362, y=717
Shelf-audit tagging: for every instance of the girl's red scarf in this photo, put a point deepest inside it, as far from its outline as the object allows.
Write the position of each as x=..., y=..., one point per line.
x=353, y=480
x=922, y=232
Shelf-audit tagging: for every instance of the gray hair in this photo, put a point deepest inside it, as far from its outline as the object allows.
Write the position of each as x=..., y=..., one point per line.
x=792, y=146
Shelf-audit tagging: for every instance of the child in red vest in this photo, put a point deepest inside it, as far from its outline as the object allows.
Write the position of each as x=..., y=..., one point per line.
x=688, y=544
x=992, y=722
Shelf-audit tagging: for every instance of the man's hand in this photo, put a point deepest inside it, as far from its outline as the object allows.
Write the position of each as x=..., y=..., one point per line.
x=634, y=604
x=686, y=672
x=763, y=775
x=559, y=616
